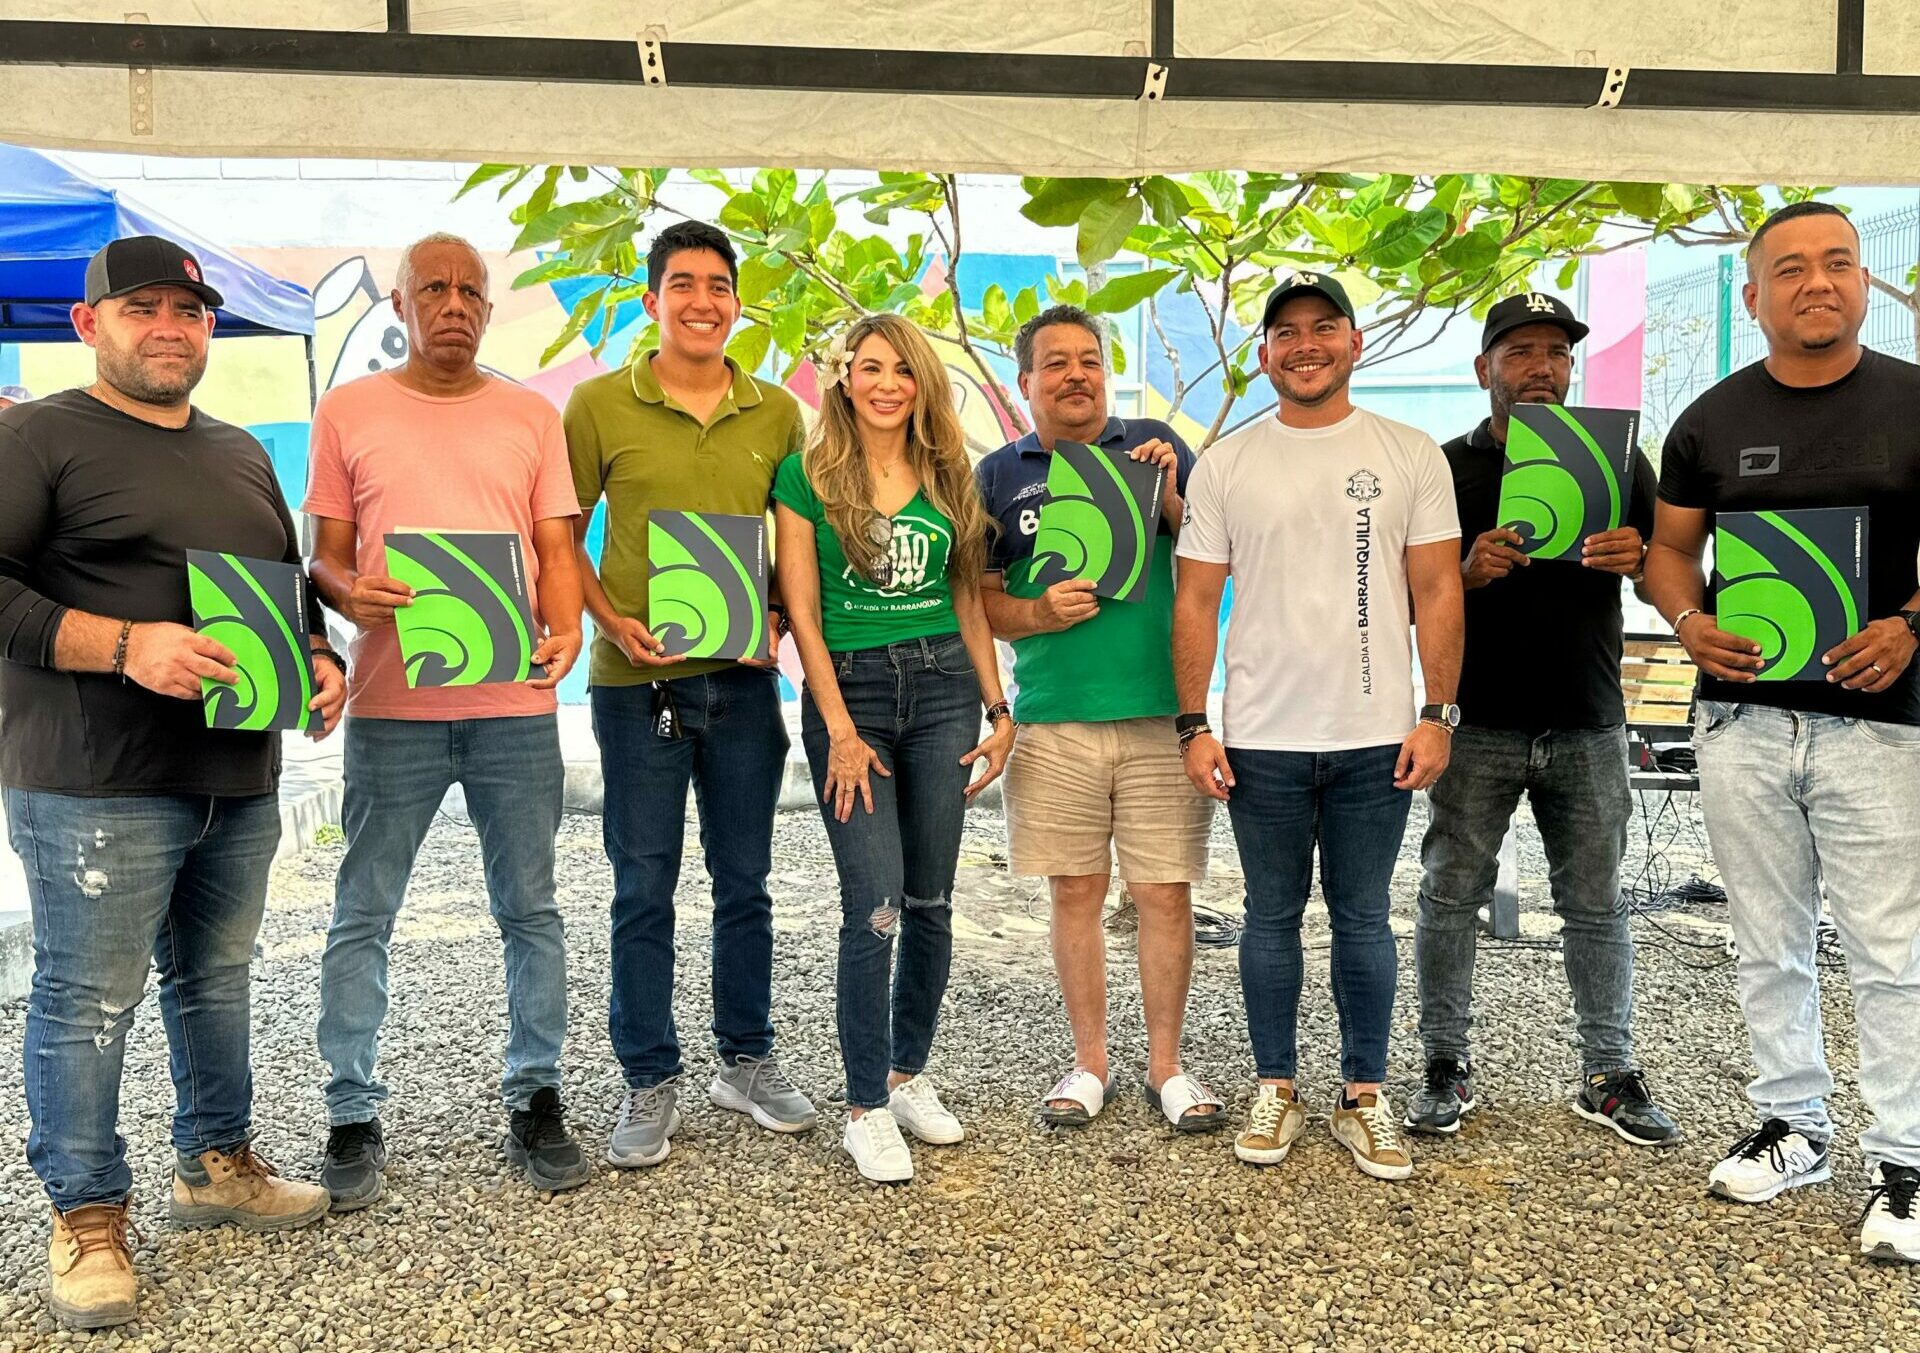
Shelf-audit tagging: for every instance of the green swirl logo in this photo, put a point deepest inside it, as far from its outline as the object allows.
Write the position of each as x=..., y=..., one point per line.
x=234, y=604
x=706, y=584
x=1093, y=523
x=1558, y=486
x=464, y=628
x=1778, y=586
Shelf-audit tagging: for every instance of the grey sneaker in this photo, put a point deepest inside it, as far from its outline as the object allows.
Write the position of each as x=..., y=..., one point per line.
x=643, y=1134
x=1444, y=1101
x=757, y=1086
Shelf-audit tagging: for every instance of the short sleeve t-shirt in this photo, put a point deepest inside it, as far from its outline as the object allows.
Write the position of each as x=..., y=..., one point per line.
x=1552, y=606
x=1315, y=524
x=633, y=444
x=914, y=601
x=1752, y=444
x=1119, y=664
x=387, y=458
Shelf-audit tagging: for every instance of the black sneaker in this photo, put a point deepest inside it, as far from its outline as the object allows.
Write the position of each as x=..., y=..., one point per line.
x=1448, y=1098
x=537, y=1141
x=356, y=1156
x=1620, y=1100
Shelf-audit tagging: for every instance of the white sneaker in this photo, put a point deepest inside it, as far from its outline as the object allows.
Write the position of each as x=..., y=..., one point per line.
x=916, y=1104
x=1891, y=1227
x=1764, y=1164
x=874, y=1141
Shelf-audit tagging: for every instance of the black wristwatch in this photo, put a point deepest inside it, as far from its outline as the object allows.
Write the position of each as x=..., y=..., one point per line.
x=1190, y=726
x=1447, y=716
x=1913, y=622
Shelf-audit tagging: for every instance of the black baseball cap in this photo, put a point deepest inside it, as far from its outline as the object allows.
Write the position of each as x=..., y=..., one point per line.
x=1306, y=284
x=146, y=261
x=1533, y=307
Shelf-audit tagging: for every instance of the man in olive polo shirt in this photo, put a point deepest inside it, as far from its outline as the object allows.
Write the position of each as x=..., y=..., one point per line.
x=683, y=429
x=1097, y=766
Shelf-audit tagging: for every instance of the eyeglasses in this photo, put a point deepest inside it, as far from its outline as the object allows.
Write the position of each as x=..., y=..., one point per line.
x=880, y=536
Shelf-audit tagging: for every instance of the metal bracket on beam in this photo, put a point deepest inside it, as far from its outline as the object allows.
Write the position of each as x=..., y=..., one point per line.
x=653, y=59
x=1155, y=88
x=139, y=93
x=1615, y=87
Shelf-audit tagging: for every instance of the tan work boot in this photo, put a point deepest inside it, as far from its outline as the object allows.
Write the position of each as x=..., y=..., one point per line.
x=240, y=1188
x=92, y=1267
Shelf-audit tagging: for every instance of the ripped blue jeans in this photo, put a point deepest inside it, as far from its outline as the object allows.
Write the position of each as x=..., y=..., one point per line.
x=178, y=882
x=917, y=705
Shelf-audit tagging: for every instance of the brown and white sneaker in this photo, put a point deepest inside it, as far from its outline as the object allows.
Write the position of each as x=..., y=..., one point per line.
x=1368, y=1129
x=240, y=1188
x=91, y=1266
x=1274, y=1124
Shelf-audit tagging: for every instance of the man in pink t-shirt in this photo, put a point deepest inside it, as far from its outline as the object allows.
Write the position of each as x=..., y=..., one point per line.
x=439, y=444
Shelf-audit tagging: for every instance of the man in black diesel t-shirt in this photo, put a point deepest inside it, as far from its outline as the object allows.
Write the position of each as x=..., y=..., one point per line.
x=1541, y=714
x=146, y=836
x=1810, y=786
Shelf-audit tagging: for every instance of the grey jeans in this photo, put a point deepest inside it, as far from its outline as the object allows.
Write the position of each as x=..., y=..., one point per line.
x=1576, y=783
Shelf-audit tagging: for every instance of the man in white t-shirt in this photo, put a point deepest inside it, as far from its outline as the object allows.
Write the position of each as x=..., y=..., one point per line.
x=1330, y=520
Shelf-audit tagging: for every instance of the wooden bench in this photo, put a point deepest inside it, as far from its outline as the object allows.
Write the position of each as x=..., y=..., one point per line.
x=1657, y=681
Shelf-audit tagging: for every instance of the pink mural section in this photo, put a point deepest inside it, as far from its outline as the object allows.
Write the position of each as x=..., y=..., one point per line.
x=1613, y=356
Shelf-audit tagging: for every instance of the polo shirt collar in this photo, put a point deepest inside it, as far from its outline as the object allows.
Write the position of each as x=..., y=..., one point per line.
x=1481, y=438
x=744, y=394
x=1029, y=445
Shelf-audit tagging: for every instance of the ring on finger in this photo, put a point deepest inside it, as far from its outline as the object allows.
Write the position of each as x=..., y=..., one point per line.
x=1878, y=668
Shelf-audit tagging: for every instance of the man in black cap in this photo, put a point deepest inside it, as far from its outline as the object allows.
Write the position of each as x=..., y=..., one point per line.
x=1338, y=528
x=1541, y=715
x=146, y=836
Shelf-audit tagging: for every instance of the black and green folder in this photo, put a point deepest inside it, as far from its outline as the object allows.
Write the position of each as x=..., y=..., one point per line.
x=707, y=584
x=1793, y=581
x=1099, y=520
x=257, y=608
x=1568, y=475
x=471, y=621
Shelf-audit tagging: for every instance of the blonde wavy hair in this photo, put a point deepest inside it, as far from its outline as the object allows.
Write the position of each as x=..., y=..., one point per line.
x=836, y=462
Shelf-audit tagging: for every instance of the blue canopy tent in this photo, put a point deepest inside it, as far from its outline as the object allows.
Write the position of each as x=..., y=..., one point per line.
x=53, y=219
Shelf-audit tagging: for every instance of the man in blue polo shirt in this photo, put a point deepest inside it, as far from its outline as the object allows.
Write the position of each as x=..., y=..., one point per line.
x=1097, y=764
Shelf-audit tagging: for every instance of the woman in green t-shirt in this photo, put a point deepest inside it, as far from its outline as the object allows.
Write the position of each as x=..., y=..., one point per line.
x=881, y=541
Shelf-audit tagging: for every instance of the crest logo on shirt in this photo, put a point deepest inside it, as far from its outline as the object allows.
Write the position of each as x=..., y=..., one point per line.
x=1363, y=486
x=1538, y=304
x=1759, y=460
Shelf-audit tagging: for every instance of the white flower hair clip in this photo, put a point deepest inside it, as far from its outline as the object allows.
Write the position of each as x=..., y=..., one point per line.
x=835, y=363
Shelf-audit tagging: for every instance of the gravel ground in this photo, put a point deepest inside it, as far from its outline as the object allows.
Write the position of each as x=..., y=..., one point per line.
x=1531, y=1230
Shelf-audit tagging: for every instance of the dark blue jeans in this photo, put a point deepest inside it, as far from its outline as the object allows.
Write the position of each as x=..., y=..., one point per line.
x=1576, y=780
x=397, y=773
x=1283, y=805
x=917, y=704
x=114, y=884
x=733, y=753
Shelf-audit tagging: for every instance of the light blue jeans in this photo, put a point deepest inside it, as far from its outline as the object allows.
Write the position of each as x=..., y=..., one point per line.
x=397, y=772
x=1794, y=802
x=175, y=881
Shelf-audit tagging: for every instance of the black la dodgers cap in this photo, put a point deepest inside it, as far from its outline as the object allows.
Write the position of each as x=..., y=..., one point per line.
x=1530, y=307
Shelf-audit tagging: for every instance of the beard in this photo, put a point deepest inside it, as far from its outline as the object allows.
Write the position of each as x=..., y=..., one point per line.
x=129, y=373
x=1506, y=396
x=1293, y=393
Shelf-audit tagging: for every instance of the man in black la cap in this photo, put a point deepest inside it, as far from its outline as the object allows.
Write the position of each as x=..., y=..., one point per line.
x=147, y=837
x=1542, y=715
